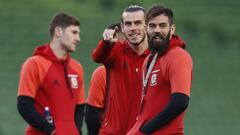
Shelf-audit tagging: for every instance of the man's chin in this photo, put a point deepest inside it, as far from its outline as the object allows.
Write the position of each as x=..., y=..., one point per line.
x=157, y=42
x=71, y=50
x=160, y=48
x=136, y=42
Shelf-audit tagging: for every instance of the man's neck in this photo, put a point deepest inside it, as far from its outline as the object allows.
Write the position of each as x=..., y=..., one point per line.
x=58, y=50
x=141, y=48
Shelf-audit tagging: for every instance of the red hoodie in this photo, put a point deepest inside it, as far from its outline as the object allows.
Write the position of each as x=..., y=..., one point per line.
x=171, y=73
x=124, y=86
x=54, y=83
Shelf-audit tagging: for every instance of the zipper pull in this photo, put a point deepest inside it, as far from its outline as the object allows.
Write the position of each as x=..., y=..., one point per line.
x=48, y=116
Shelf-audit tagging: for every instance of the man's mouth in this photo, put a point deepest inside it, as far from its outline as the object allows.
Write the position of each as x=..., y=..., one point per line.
x=134, y=35
x=75, y=44
x=157, y=37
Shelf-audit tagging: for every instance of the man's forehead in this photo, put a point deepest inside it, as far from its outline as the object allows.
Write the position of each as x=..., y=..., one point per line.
x=73, y=27
x=159, y=19
x=137, y=15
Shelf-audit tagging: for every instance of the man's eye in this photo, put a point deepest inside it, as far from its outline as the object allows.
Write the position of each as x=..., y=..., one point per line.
x=75, y=32
x=138, y=22
x=152, y=26
x=163, y=25
x=128, y=24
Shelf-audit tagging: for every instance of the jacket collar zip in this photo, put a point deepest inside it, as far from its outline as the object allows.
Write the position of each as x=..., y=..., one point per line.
x=64, y=63
x=47, y=52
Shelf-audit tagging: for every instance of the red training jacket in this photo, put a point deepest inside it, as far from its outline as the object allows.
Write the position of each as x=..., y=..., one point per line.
x=172, y=73
x=55, y=83
x=124, y=85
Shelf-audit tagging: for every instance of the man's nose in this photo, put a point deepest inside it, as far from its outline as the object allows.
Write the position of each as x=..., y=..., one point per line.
x=157, y=29
x=133, y=27
x=78, y=38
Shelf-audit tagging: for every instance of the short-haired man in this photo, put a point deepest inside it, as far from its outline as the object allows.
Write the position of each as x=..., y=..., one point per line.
x=51, y=86
x=167, y=77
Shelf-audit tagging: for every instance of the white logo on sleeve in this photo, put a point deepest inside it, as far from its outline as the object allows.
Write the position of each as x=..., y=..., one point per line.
x=74, y=81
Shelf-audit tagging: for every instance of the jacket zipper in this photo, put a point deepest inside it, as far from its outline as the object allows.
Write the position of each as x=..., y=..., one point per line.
x=66, y=78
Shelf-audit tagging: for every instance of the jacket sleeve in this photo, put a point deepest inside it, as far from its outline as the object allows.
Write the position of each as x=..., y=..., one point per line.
x=92, y=119
x=176, y=106
x=103, y=53
x=79, y=114
x=25, y=106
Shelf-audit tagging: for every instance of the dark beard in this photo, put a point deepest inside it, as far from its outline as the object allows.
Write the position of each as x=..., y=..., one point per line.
x=158, y=46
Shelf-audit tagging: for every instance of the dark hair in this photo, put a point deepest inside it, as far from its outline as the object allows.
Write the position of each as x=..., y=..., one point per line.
x=133, y=8
x=114, y=25
x=158, y=10
x=62, y=20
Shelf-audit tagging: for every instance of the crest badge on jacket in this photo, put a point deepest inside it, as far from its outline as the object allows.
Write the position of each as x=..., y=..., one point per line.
x=73, y=80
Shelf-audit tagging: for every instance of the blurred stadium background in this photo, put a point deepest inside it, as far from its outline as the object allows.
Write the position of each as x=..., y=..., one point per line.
x=209, y=27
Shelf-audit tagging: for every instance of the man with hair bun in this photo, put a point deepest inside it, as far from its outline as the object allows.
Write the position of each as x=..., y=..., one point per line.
x=124, y=61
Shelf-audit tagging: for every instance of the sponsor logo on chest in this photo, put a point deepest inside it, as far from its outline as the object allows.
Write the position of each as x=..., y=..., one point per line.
x=73, y=80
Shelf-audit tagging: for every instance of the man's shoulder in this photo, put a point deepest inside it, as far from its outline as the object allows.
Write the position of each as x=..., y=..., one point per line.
x=177, y=52
x=177, y=55
x=99, y=72
x=100, y=69
x=37, y=59
x=75, y=63
x=35, y=64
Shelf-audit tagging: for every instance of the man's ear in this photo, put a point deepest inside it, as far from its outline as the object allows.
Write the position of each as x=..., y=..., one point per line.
x=145, y=29
x=122, y=27
x=58, y=31
x=173, y=29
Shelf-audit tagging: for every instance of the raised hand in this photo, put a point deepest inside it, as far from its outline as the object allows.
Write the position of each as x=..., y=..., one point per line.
x=109, y=35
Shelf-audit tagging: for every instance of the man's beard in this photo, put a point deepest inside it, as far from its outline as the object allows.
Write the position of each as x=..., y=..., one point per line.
x=158, y=43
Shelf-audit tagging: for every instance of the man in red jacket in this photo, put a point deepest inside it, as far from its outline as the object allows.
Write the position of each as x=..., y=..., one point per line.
x=167, y=76
x=124, y=62
x=51, y=86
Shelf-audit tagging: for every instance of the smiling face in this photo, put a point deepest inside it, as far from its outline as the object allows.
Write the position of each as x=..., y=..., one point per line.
x=69, y=37
x=133, y=26
x=159, y=31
